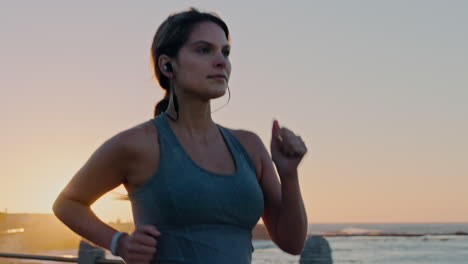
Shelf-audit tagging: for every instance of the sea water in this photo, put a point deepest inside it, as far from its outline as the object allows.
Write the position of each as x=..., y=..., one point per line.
x=382, y=250
x=432, y=245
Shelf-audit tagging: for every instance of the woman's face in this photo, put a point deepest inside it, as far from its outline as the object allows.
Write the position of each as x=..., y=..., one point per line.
x=202, y=68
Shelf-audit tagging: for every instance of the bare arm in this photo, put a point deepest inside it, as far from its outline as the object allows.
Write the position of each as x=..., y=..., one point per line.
x=104, y=171
x=291, y=219
x=108, y=167
x=284, y=213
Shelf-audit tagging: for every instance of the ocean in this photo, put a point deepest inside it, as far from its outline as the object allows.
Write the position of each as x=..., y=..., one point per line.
x=379, y=250
x=428, y=243
x=405, y=243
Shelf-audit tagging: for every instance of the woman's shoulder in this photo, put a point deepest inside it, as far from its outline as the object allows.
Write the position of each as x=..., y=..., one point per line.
x=141, y=148
x=136, y=139
x=246, y=137
x=252, y=143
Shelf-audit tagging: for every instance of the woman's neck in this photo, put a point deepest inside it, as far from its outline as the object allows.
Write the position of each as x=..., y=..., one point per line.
x=194, y=121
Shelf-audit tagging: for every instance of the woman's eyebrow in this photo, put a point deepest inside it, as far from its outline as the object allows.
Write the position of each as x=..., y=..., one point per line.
x=207, y=43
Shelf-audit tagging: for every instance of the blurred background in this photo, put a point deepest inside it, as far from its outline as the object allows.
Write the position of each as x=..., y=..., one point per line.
x=378, y=90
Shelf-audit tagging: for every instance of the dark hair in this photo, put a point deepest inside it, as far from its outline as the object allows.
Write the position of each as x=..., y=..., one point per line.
x=171, y=35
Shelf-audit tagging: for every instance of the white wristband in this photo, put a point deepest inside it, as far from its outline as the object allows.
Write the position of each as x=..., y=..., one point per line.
x=114, y=242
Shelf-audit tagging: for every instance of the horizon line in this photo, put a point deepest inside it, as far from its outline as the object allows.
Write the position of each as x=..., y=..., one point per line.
x=313, y=223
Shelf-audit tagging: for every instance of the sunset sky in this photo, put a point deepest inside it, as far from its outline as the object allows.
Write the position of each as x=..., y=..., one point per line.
x=378, y=90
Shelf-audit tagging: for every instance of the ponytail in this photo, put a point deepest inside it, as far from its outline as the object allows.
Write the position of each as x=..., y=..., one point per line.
x=162, y=105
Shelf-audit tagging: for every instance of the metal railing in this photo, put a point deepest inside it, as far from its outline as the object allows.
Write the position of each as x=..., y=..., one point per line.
x=37, y=257
x=87, y=254
x=316, y=250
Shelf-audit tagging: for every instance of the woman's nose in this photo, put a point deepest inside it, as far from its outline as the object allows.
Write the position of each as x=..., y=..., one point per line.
x=220, y=62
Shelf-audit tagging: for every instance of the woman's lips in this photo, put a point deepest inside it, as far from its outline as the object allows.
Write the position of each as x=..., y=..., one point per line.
x=218, y=77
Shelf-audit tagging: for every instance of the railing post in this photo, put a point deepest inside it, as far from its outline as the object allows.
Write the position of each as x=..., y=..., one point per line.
x=316, y=251
x=88, y=254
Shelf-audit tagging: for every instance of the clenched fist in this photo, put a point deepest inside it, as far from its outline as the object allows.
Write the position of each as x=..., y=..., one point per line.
x=287, y=149
x=140, y=247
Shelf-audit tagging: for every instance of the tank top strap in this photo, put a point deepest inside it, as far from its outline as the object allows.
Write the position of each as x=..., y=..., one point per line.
x=167, y=143
x=236, y=146
x=161, y=125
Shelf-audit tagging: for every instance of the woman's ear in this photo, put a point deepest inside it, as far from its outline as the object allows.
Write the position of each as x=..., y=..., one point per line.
x=165, y=66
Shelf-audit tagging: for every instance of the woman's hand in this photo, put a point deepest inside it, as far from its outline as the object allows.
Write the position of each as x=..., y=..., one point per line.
x=287, y=150
x=140, y=247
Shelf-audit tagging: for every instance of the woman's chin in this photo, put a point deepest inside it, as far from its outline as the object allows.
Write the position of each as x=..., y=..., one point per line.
x=216, y=92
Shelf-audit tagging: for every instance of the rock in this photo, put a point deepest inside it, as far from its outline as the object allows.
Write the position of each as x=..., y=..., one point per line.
x=316, y=251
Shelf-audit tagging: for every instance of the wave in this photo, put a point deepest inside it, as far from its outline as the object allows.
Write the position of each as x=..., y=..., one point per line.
x=263, y=244
x=358, y=231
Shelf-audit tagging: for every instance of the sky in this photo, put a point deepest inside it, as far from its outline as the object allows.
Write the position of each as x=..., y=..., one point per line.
x=378, y=90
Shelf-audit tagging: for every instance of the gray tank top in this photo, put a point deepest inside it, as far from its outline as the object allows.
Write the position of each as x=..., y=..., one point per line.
x=203, y=217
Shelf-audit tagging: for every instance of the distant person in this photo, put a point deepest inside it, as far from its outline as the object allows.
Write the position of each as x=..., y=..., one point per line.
x=197, y=189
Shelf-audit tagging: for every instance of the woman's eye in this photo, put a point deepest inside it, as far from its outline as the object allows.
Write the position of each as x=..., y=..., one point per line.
x=226, y=53
x=204, y=50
